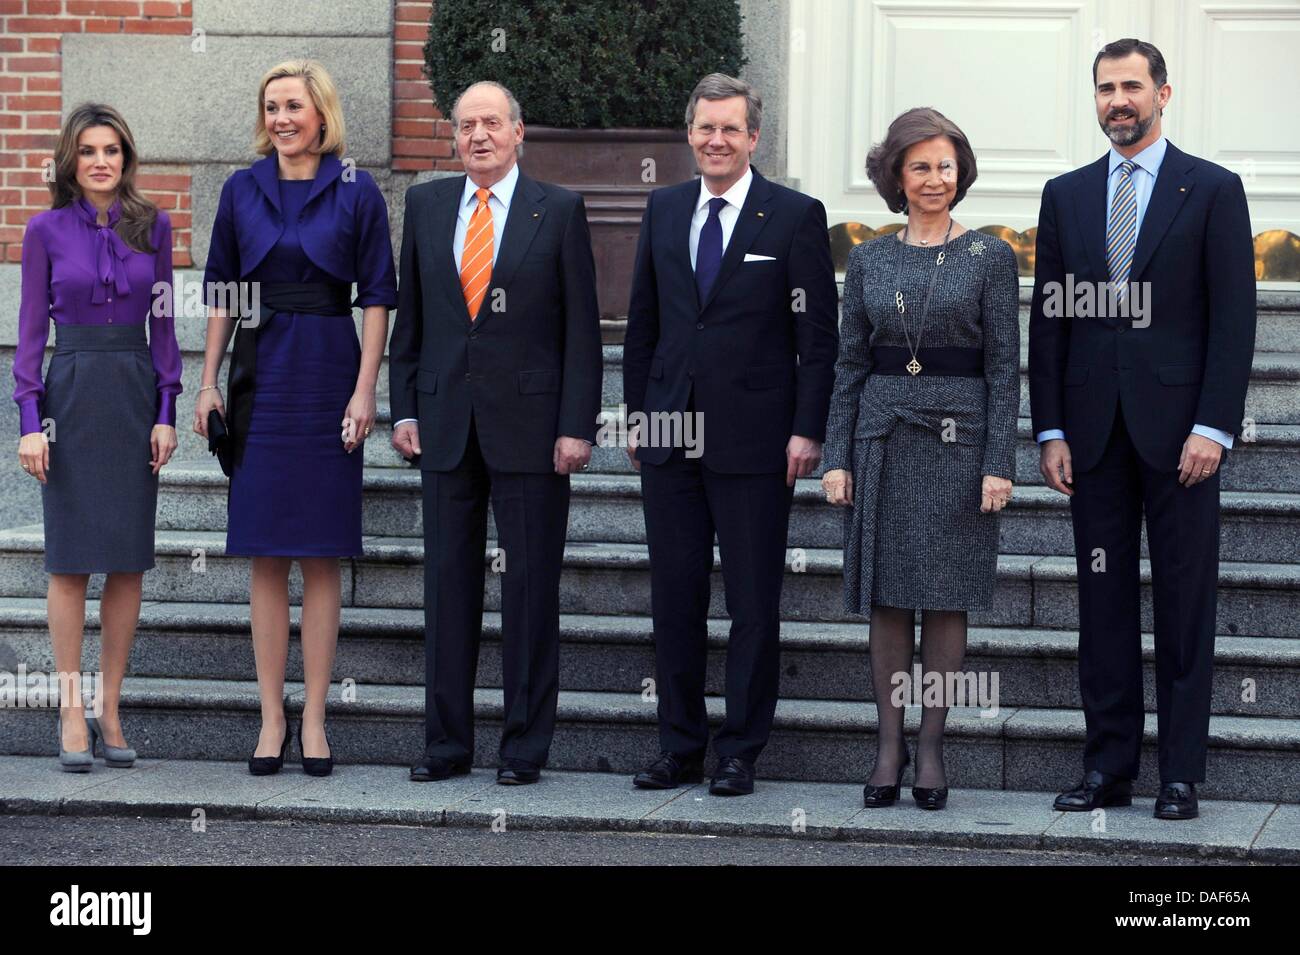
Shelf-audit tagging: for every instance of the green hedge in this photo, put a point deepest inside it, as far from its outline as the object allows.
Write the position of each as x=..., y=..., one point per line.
x=584, y=65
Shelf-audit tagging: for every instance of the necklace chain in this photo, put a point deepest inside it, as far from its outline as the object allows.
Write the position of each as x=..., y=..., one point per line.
x=914, y=366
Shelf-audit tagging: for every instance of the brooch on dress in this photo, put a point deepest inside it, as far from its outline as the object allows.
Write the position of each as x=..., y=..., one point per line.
x=977, y=247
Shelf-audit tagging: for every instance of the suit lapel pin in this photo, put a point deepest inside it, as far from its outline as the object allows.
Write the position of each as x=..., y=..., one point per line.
x=1182, y=188
x=760, y=215
x=536, y=214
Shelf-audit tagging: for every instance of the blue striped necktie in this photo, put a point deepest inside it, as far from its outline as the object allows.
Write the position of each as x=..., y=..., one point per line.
x=1121, y=235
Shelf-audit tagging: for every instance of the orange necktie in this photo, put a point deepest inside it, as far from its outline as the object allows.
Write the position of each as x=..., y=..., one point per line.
x=476, y=260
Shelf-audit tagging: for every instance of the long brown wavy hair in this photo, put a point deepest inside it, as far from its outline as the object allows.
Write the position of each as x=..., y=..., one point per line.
x=138, y=213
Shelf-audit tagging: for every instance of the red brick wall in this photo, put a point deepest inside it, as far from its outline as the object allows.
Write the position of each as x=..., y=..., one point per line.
x=422, y=139
x=31, y=37
x=31, y=41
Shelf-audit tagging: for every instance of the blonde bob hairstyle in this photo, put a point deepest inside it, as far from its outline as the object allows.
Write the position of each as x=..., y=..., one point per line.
x=323, y=95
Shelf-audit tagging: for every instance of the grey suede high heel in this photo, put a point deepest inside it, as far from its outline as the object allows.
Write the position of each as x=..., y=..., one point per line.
x=78, y=762
x=118, y=757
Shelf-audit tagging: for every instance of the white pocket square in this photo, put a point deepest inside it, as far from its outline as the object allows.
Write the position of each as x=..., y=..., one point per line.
x=751, y=257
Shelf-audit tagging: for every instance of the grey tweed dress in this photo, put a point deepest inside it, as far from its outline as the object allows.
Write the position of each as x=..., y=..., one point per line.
x=919, y=447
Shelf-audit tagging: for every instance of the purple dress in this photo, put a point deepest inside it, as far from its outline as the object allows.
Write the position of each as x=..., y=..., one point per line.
x=297, y=492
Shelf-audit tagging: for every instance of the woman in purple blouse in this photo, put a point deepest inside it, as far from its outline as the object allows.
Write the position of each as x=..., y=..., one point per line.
x=300, y=228
x=101, y=425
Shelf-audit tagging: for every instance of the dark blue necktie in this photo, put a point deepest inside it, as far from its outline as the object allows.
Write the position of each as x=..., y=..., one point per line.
x=708, y=257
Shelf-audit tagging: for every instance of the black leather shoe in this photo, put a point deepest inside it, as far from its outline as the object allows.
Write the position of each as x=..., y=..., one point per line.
x=432, y=768
x=516, y=772
x=878, y=797
x=270, y=765
x=669, y=771
x=733, y=777
x=1177, y=801
x=1096, y=790
x=927, y=798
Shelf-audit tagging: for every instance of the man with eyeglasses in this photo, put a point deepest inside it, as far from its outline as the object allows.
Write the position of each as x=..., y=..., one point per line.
x=732, y=323
x=495, y=367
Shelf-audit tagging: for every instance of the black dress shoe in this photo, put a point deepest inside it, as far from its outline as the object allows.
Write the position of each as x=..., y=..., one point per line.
x=878, y=797
x=1177, y=801
x=1096, y=790
x=432, y=768
x=669, y=771
x=516, y=772
x=733, y=777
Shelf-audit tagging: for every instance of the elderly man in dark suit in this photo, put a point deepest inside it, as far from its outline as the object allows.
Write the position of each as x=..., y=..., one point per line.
x=732, y=321
x=1137, y=386
x=495, y=366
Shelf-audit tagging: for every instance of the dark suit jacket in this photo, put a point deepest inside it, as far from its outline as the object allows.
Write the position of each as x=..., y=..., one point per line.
x=529, y=372
x=759, y=352
x=1192, y=363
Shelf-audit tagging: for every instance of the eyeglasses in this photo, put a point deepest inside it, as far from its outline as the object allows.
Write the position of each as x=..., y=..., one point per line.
x=706, y=130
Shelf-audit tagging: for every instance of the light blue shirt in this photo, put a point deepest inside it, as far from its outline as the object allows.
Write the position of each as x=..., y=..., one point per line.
x=498, y=205
x=1147, y=167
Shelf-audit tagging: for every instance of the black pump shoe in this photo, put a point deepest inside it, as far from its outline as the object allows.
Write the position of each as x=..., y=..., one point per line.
x=927, y=798
x=316, y=765
x=878, y=797
x=270, y=765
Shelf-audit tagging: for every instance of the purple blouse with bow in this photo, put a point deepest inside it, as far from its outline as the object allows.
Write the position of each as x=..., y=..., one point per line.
x=78, y=272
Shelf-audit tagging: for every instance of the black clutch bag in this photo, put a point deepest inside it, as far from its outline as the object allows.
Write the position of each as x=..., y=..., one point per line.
x=219, y=442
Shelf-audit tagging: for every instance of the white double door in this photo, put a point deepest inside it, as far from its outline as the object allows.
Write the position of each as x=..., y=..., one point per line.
x=1017, y=78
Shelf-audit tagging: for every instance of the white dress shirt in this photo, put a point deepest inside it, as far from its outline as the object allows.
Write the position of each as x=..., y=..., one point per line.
x=498, y=205
x=1146, y=167
x=727, y=215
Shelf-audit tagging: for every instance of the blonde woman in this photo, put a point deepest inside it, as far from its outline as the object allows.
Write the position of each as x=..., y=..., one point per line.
x=301, y=386
x=101, y=425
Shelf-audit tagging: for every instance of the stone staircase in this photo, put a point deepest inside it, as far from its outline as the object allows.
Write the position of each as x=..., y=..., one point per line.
x=192, y=694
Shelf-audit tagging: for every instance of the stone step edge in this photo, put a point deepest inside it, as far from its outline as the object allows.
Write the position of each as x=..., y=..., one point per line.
x=1267, y=432
x=369, y=623
x=1277, y=734
x=30, y=539
x=807, y=490
x=475, y=801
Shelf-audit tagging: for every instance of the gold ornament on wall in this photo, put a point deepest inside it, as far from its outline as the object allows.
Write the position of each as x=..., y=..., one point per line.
x=1277, y=251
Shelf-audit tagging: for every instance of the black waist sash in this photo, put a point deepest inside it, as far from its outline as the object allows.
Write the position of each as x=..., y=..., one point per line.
x=306, y=298
x=947, y=360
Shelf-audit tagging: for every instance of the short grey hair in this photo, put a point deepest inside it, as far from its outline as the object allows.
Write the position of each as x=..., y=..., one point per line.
x=721, y=86
x=516, y=114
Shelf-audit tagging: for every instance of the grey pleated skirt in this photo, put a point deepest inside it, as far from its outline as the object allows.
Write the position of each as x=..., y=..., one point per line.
x=101, y=497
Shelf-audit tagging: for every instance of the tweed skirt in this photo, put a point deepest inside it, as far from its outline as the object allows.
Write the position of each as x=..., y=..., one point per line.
x=915, y=537
x=101, y=498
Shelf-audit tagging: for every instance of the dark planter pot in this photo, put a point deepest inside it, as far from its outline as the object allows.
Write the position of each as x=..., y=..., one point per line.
x=609, y=168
